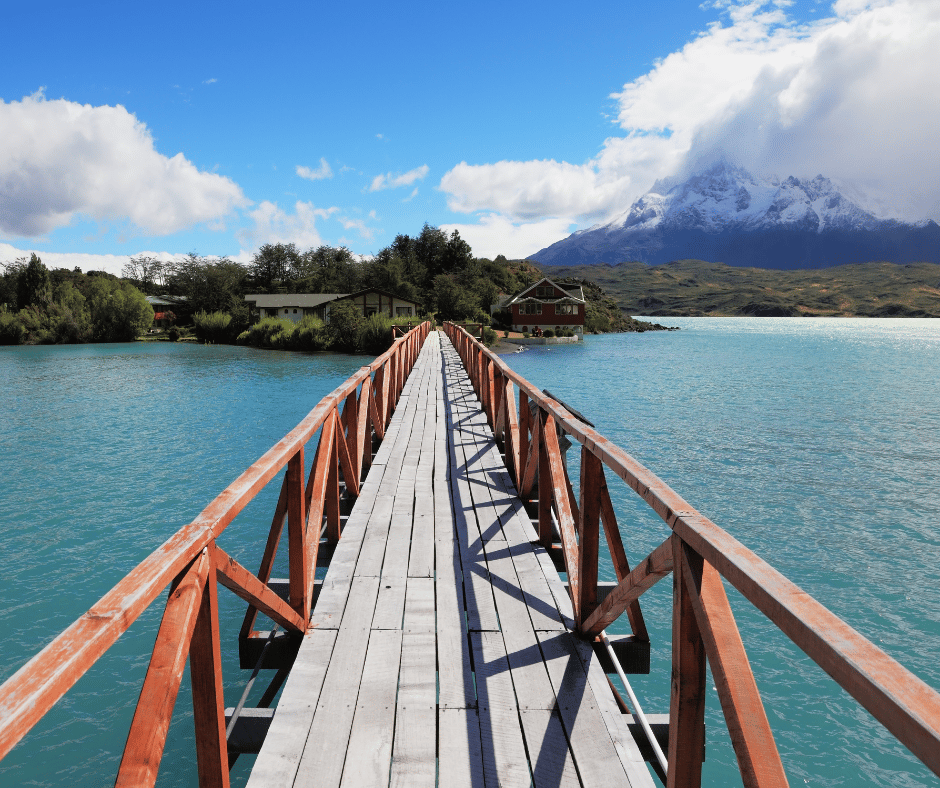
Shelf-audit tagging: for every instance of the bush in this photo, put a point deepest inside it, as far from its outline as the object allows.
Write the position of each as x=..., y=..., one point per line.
x=489, y=336
x=525, y=334
x=12, y=331
x=548, y=333
x=212, y=326
x=173, y=334
x=262, y=332
x=376, y=334
x=310, y=334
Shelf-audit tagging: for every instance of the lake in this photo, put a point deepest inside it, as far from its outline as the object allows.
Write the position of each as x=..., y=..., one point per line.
x=816, y=442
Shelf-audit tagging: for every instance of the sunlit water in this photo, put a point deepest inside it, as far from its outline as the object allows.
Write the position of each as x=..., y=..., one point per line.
x=816, y=442
x=107, y=450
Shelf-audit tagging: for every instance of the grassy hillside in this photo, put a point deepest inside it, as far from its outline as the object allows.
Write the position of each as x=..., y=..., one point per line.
x=694, y=287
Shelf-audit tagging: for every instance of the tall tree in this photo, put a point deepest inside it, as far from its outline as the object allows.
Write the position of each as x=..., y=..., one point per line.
x=34, y=287
x=273, y=264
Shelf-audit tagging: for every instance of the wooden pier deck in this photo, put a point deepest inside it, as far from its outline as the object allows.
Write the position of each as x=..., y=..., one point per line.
x=440, y=649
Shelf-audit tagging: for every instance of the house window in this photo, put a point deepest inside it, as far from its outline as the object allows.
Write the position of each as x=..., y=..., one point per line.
x=544, y=291
x=566, y=309
x=530, y=309
x=403, y=311
x=295, y=311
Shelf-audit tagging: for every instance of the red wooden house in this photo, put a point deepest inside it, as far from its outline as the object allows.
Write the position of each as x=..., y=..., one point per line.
x=547, y=305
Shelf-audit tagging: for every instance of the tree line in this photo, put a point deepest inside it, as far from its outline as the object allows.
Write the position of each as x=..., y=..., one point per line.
x=40, y=306
x=435, y=269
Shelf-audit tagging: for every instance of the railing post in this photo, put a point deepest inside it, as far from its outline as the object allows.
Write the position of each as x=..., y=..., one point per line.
x=687, y=698
x=147, y=737
x=205, y=668
x=592, y=477
x=524, y=428
x=331, y=504
x=296, y=536
x=546, y=531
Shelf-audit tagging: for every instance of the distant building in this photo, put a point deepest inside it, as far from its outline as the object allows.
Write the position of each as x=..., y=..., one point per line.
x=547, y=305
x=294, y=306
x=167, y=309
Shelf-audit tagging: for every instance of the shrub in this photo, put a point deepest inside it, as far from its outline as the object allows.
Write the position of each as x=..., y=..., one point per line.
x=310, y=334
x=345, y=327
x=261, y=333
x=212, y=326
x=548, y=333
x=489, y=336
x=12, y=331
x=525, y=335
x=376, y=334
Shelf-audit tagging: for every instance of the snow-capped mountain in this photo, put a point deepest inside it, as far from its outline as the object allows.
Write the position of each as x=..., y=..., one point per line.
x=726, y=214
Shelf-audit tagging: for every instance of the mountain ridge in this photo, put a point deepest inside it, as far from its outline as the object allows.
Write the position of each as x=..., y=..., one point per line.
x=725, y=214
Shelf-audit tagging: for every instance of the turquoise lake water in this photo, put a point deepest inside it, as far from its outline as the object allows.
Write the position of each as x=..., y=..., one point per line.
x=816, y=442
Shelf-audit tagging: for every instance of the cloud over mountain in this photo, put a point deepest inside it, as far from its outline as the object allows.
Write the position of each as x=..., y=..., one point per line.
x=60, y=160
x=850, y=95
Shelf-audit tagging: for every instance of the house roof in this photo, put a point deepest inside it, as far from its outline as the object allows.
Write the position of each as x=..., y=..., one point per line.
x=384, y=293
x=575, y=293
x=280, y=300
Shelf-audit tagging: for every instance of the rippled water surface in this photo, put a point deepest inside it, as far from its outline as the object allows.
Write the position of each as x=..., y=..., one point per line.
x=816, y=442
x=107, y=450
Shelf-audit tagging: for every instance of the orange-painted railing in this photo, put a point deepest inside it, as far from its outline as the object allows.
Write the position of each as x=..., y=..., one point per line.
x=698, y=553
x=191, y=563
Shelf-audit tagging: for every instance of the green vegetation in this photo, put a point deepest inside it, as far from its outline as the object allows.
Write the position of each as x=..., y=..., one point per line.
x=60, y=307
x=693, y=287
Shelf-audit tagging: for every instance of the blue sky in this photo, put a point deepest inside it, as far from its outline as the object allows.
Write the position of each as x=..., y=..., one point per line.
x=214, y=128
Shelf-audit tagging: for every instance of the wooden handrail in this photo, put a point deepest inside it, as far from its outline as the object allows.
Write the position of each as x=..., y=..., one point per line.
x=697, y=553
x=193, y=564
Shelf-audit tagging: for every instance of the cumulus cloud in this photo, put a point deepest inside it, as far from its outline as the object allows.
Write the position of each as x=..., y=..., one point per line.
x=495, y=235
x=60, y=159
x=111, y=263
x=392, y=181
x=323, y=171
x=275, y=225
x=849, y=97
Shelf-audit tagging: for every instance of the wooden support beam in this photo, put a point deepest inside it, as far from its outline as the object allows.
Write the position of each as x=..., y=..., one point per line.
x=532, y=457
x=558, y=484
x=592, y=477
x=687, y=696
x=546, y=527
x=619, y=558
x=205, y=668
x=350, y=422
x=753, y=740
x=270, y=551
x=147, y=737
x=364, y=428
x=331, y=494
x=244, y=584
x=657, y=565
x=296, y=527
x=345, y=459
x=376, y=403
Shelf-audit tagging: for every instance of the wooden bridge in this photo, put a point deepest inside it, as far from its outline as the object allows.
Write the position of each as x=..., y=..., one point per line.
x=457, y=637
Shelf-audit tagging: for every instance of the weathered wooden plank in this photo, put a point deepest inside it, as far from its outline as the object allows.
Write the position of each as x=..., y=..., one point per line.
x=551, y=760
x=283, y=748
x=504, y=756
x=369, y=751
x=414, y=760
x=596, y=757
x=324, y=757
x=390, y=607
x=461, y=753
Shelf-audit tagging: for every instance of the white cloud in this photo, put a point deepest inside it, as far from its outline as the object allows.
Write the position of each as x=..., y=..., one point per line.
x=850, y=97
x=323, y=171
x=274, y=225
x=360, y=225
x=210, y=81
x=60, y=159
x=112, y=263
x=495, y=235
x=392, y=181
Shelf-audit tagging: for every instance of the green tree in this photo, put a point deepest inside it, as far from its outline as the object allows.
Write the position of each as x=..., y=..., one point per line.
x=209, y=285
x=273, y=264
x=119, y=311
x=34, y=287
x=345, y=326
